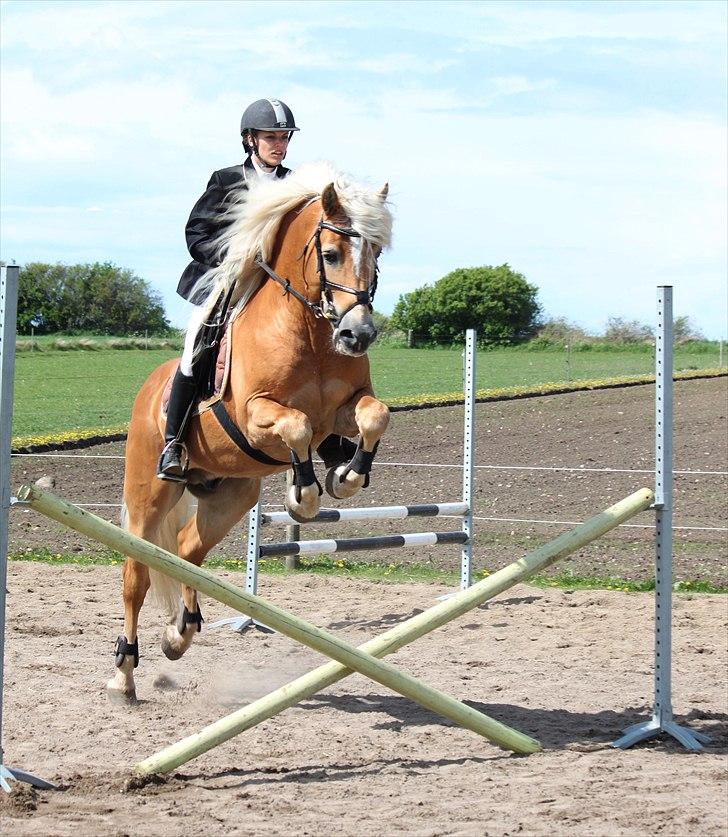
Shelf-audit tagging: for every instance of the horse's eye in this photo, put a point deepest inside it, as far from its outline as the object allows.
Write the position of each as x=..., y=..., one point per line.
x=331, y=257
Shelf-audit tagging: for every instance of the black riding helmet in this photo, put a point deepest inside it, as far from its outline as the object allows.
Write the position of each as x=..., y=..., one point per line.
x=266, y=115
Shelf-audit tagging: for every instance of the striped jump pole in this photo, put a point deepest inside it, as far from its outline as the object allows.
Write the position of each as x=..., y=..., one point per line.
x=256, y=550
x=371, y=513
x=347, y=655
x=309, y=684
x=326, y=547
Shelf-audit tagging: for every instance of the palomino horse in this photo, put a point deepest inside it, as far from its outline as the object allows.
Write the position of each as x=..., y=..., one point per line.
x=301, y=264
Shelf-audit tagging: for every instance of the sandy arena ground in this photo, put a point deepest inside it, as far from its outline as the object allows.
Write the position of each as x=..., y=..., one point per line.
x=570, y=668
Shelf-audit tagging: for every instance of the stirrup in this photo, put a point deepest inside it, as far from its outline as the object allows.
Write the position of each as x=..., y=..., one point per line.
x=172, y=465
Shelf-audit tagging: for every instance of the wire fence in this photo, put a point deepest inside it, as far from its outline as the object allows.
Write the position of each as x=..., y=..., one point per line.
x=424, y=465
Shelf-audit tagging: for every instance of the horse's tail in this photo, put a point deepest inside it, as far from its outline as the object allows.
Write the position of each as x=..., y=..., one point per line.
x=165, y=590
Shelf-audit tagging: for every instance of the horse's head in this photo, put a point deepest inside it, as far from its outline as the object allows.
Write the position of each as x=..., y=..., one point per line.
x=346, y=264
x=318, y=235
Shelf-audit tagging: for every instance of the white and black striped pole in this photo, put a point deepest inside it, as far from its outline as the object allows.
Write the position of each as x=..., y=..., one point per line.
x=372, y=513
x=8, y=315
x=330, y=545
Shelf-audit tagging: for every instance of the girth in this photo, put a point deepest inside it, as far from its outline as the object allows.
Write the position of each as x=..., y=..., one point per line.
x=238, y=438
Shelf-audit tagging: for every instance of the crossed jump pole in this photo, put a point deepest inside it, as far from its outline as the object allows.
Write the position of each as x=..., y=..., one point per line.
x=347, y=658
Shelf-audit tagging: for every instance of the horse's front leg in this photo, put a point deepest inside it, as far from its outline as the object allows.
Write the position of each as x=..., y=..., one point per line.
x=293, y=427
x=371, y=417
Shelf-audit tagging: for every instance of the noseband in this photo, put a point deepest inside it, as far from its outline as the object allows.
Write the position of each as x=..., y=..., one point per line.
x=325, y=309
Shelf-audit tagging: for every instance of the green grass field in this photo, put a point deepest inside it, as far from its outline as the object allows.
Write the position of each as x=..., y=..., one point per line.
x=377, y=572
x=61, y=391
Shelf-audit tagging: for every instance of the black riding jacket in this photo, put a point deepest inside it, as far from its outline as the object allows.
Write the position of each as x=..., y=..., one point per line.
x=207, y=221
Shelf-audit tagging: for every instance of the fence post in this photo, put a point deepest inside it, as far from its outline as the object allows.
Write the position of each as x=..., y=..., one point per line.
x=568, y=361
x=293, y=533
x=466, y=562
x=662, y=720
x=8, y=318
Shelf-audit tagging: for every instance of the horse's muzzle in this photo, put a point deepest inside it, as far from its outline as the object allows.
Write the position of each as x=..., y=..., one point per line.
x=354, y=341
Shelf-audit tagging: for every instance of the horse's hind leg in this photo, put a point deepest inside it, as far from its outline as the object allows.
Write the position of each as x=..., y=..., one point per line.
x=216, y=514
x=371, y=417
x=148, y=503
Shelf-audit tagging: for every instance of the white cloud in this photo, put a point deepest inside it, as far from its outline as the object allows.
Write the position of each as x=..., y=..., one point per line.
x=143, y=99
x=514, y=24
x=97, y=26
x=404, y=62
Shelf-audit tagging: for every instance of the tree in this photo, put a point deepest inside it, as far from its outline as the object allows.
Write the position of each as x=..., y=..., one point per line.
x=497, y=301
x=100, y=298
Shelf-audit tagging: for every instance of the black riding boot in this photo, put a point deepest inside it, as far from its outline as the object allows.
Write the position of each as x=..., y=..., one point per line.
x=336, y=450
x=179, y=409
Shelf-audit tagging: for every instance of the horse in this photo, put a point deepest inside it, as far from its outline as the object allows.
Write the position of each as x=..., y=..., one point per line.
x=300, y=268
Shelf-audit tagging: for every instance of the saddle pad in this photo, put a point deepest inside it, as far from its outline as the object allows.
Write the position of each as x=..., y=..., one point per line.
x=222, y=376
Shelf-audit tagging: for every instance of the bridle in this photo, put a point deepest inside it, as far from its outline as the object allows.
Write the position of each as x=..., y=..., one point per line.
x=325, y=309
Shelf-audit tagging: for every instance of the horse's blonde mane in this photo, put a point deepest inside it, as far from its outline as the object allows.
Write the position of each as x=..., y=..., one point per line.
x=256, y=214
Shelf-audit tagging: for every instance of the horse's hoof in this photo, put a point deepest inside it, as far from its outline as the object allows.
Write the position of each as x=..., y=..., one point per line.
x=299, y=518
x=169, y=651
x=341, y=489
x=174, y=644
x=300, y=510
x=119, y=697
x=332, y=480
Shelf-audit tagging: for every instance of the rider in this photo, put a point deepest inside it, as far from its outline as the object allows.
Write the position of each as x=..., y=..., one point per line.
x=266, y=127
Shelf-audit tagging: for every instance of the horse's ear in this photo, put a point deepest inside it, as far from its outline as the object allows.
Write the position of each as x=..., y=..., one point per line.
x=383, y=192
x=330, y=201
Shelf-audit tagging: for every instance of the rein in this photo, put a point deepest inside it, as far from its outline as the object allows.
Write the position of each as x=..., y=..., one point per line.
x=325, y=309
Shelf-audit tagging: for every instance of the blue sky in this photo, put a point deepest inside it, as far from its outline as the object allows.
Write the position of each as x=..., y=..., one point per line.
x=582, y=143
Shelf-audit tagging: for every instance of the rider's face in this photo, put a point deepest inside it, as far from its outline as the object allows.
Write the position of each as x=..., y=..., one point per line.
x=272, y=146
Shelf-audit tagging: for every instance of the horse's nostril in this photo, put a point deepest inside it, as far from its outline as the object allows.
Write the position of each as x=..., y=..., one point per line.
x=347, y=334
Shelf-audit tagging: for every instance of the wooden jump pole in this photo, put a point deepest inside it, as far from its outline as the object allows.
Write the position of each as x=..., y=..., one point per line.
x=277, y=618
x=326, y=675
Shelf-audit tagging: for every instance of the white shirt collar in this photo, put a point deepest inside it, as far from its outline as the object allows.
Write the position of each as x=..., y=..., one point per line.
x=266, y=175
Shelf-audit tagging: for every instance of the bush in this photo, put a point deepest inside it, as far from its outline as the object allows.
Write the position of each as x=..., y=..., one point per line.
x=496, y=301
x=684, y=331
x=620, y=330
x=560, y=332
